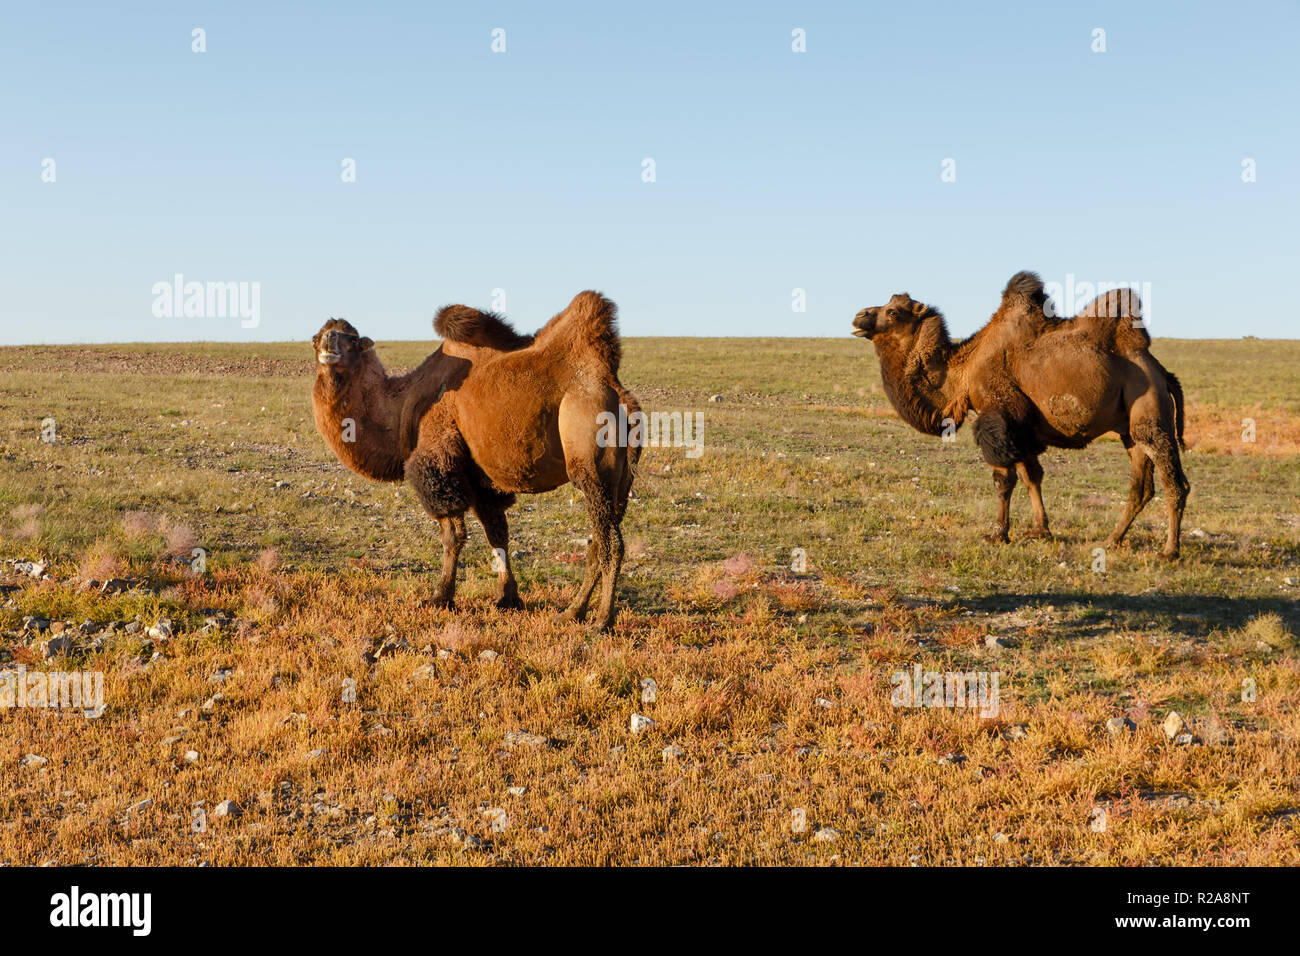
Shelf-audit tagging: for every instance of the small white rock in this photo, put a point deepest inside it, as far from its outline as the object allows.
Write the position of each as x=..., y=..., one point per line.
x=640, y=723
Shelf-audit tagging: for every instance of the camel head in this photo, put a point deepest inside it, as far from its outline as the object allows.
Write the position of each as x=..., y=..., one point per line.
x=900, y=317
x=337, y=344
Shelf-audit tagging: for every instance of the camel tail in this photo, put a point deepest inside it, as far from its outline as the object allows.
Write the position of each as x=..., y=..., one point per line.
x=588, y=328
x=1176, y=393
x=460, y=323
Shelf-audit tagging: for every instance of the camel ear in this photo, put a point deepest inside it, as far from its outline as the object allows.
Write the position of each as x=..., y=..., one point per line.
x=366, y=343
x=921, y=310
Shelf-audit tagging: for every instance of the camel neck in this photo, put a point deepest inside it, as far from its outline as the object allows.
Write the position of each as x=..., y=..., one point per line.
x=359, y=416
x=918, y=379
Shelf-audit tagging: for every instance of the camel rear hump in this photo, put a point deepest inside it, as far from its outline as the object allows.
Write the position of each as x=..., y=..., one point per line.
x=587, y=328
x=1115, y=318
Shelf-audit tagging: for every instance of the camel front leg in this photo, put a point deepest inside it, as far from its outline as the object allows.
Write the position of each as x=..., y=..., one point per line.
x=1004, y=480
x=453, y=539
x=1031, y=472
x=492, y=515
x=435, y=473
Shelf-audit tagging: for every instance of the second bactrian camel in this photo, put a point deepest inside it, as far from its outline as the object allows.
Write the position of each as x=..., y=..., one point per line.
x=1036, y=382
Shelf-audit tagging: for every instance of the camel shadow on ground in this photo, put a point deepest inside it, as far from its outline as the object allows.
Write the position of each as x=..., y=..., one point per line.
x=1191, y=614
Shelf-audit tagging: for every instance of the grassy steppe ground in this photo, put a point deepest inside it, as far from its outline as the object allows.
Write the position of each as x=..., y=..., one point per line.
x=775, y=685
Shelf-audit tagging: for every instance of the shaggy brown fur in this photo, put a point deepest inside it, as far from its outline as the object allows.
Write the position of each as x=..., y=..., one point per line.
x=1038, y=382
x=490, y=414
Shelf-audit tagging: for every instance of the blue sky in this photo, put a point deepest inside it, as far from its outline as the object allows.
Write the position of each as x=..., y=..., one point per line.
x=522, y=170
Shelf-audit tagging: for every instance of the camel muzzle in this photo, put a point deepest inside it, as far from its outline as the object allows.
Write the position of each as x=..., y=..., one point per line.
x=864, y=324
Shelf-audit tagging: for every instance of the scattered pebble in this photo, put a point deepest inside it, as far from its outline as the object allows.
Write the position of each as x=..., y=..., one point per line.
x=56, y=646
x=640, y=723
x=522, y=738
x=227, y=808
x=1174, y=725
x=1117, y=726
x=827, y=835
x=673, y=752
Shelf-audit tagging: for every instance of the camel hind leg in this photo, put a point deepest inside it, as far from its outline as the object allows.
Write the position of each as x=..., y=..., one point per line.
x=1154, y=431
x=603, y=475
x=1176, y=488
x=1142, y=488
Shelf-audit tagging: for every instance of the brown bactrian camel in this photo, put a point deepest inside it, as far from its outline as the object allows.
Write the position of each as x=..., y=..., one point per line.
x=488, y=415
x=1037, y=382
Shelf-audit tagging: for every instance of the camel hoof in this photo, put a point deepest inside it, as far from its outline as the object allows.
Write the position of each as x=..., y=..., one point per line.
x=997, y=537
x=568, y=616
x=441, y=602
x=1170, y=556
x=510, y=602
x=1034, y=534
